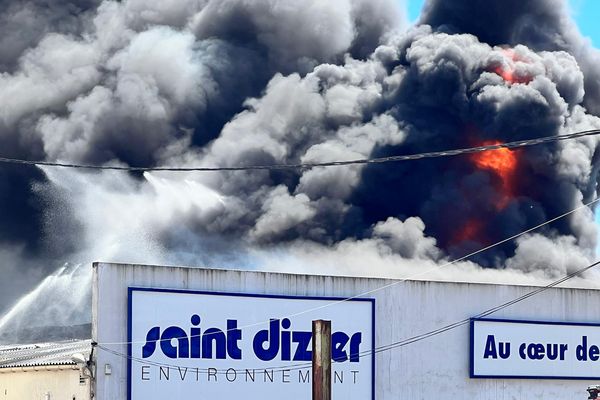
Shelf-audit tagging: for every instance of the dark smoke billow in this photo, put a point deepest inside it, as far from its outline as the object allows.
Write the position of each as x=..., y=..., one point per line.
x=541, y=25
x=228, y=83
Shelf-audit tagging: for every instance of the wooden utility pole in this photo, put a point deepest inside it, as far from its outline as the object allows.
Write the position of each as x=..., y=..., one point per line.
x=321, y=360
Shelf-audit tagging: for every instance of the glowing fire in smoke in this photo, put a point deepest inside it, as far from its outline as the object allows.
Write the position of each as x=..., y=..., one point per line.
x=502, y=163
x=507, y=73
x=508, y=69
x=471, y=231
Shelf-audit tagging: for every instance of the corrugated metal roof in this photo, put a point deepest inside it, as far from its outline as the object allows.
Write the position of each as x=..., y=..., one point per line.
x=42, y=354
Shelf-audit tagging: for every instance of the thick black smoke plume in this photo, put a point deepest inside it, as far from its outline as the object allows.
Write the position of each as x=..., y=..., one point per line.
x=235, y=82
x=137, y=82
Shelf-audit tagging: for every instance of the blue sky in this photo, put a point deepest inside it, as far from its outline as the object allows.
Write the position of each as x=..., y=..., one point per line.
x=585, y=12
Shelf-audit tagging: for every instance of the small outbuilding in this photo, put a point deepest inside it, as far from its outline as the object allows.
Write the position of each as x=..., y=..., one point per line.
x=45, y=371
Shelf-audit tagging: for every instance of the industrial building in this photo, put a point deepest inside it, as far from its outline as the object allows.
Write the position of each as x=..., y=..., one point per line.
x=174, y=332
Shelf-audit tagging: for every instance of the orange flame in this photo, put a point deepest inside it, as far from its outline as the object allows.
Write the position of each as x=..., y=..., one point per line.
x=507, y=70
x=507, y=73
x=503, y=164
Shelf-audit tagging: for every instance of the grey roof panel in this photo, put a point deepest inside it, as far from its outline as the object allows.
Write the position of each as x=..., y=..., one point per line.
x=43, y=354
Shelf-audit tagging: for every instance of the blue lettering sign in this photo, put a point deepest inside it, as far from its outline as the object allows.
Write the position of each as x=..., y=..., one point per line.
x=267, y=344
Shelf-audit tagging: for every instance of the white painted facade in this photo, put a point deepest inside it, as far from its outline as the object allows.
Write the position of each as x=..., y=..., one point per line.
x=437, y=367
x=50, y=382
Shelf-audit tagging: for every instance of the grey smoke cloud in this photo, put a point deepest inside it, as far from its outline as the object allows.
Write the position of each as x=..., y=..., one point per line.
x=236, y=82
x=143, y=82
x=24, y=23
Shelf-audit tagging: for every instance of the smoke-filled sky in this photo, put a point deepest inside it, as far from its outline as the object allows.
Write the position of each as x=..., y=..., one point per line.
x=584, y=12
x=239, y=82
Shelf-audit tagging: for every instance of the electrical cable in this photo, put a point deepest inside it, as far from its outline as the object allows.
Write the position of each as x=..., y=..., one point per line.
x=379, y=160
x=201, y=370
x=486, y=312
x=398, y=281
x=400, y=343
x=510, y=145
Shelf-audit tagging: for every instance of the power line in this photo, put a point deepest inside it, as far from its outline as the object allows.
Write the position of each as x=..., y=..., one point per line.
x=486, y=312
x=387, y=347
x=379, y=160
x=202, y=370
x=397, y=282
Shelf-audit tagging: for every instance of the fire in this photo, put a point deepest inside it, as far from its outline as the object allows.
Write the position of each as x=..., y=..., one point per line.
x=503, y=164
x=471, y=231
x=508, y=68
x=507, y=73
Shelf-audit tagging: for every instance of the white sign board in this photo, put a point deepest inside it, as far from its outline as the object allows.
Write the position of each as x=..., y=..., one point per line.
x=199, y=345
x=532, y=349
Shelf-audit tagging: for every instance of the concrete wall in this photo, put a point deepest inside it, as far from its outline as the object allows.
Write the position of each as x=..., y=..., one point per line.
x=434, y=368
x=42, y=383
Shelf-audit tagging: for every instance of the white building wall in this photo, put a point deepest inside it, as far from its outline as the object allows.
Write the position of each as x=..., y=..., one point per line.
x=434, y=368
x=42, y=383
